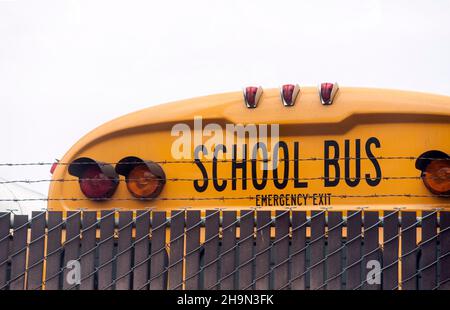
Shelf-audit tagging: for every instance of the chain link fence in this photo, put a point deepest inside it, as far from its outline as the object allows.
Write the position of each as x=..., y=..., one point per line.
x=222, y=249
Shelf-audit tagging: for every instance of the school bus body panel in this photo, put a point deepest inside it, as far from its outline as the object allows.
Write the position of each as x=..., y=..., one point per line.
x=382, y=123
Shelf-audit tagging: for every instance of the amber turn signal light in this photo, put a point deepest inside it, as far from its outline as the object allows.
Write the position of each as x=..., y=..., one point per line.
x=144, y=179
x=435, y=167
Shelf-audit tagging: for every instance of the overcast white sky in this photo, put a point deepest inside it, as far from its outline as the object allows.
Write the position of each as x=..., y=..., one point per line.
x=69, y=66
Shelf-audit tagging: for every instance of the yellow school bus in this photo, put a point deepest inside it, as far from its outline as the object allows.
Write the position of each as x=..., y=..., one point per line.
x=300, y=147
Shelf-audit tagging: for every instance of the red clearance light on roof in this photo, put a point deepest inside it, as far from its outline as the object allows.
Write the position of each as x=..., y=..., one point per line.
x=327, y=92
x=289, y=93
x=252, y=95
x=98, y=181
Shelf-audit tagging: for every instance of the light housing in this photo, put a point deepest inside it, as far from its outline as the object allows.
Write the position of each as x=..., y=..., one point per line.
x=327, y=92
x=252, y=94
x=289, y=94
x=435, y=171
x=145, y=179
x=98, y=181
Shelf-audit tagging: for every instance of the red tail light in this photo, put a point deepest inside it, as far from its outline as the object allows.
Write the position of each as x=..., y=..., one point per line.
x=97, y=180
x=95, y=184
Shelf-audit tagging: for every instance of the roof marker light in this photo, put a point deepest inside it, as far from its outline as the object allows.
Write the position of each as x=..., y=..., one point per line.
x=289, y=93
x=327, y=92
x=252, y=95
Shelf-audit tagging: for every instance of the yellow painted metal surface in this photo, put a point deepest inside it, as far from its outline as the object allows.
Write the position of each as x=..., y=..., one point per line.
x=395, y=125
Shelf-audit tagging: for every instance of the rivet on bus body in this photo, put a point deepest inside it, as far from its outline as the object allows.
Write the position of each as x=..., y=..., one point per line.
x=252, y=95
x=327, y=92
x=289, y=93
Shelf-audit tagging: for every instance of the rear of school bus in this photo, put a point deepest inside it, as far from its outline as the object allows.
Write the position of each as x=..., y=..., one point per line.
x=332, y=149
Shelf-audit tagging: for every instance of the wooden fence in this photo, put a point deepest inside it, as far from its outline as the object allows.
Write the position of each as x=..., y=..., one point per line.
x=249, y=249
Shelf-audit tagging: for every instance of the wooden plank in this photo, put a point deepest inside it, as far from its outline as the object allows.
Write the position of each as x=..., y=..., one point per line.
x=176, y=250
x=158, y=261
x=228, y=262
x=334, y=251
x=18, y=253
x=211, y=248
x=193, y=250
x=409, y=251
x=281, y=250
x=353, y=247
x=428, y=245
x=372, y=251
x=123, y=278
x=71, y=245
x=390, y=250
x=36, y=251
x=444, y=279
x=54, y=251
x=88, y=244
x=141, y=250
x=263, y=219
x=4, y=247
x=317, y=249
x=246, y=249
x=298, y=260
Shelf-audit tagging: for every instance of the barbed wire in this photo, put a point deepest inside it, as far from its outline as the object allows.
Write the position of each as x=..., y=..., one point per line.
x=222, y=160
x=127, y=199
x=341, y=196
x=30, y=181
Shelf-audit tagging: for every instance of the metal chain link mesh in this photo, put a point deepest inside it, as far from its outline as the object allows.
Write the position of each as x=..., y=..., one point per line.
x=398, y=250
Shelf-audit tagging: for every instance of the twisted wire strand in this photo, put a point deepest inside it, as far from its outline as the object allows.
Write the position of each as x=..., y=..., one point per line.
x=29, y=181
x=190, y=161
x=221, y=198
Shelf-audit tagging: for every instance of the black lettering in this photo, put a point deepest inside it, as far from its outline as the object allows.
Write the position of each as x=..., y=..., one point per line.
x=276, y=149
x=282, y=200
x=201, y=188
x=376, y=165
x=331, y=162
x=297, y=183
x=353, y=182
x=239, y=165
x=262, y=185
x=217, y=186
x=293, y=201
x=257, y=198
x=275, y=200
x=305, y=198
